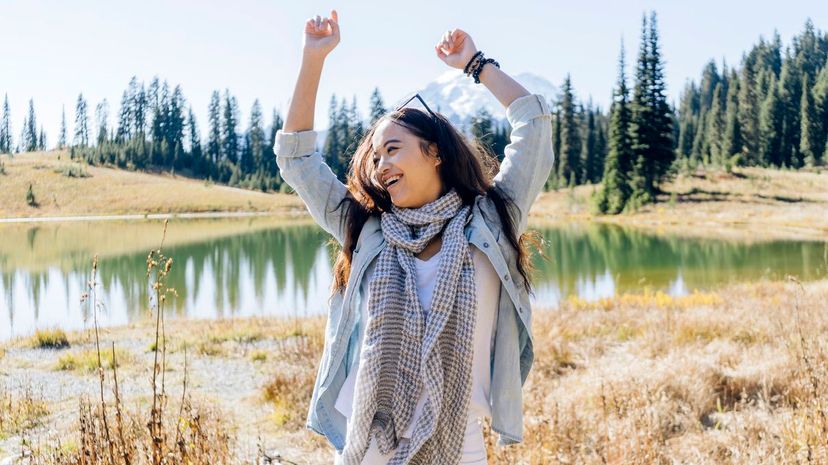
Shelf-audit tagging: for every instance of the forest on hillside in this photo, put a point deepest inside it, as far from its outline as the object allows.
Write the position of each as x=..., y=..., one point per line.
x=771, y=110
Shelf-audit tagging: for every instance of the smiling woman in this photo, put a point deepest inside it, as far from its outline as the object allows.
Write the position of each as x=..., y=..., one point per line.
x=417, y=349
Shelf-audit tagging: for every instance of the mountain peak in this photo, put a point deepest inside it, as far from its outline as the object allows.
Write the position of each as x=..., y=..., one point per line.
x=458, y=98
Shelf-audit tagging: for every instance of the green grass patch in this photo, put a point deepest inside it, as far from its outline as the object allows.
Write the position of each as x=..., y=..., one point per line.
x=87, y=360
x=54, y=338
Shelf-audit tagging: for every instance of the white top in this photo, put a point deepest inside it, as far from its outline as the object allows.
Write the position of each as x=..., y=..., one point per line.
x=487, y=289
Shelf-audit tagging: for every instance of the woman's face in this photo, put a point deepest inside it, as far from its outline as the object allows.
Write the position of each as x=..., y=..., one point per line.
x=409, y=176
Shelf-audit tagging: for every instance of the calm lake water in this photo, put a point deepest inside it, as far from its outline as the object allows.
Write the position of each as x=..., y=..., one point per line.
x=265, y=267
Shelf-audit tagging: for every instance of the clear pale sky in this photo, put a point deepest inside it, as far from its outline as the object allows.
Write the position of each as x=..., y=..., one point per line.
x=52, y=50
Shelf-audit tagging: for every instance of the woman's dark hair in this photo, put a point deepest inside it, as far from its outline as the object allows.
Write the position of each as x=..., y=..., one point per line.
x=468, y=167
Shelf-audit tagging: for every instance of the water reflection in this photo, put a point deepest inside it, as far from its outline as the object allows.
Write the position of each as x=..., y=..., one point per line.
x=262, y=267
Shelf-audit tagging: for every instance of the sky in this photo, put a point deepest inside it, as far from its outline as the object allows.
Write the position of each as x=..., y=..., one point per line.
x=53, y=50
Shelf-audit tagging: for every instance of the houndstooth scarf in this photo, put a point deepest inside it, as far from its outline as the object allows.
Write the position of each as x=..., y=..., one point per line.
x=403, y=350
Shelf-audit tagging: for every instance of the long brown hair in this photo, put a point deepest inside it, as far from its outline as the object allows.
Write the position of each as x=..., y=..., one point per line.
x=468, y=167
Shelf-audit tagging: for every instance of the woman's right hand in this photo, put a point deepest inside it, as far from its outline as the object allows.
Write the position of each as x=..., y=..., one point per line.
x=321, y=35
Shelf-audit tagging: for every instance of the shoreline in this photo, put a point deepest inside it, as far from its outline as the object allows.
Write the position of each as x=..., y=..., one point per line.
x=292, y=213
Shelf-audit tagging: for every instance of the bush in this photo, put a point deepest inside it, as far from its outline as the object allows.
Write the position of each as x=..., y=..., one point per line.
x=50, y=339
x=30, y=197
x=73, y=170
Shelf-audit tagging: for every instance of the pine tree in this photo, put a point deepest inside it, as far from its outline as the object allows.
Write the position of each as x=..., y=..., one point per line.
x=6, y=142
x=356, y=129
x=174, y=130
x=731, y=145
x=770, y=127
x=749, y=108
x=688, y=113
x=482, y=128
x=377, y=108
x=199, y=164
x=229, y=122
x=214, y=123
x=790, y=93
x=30, y=139
x=41, y=139
x=808, y=140
x=662, y=146
x=569, y=167
x=81, y=123
x=254, y=142
x=333, y=141
x=652, y=121
x=715, y=129
x=62, y=135
x=102, y=117
x=615, y=189
x=589, y=156
x=820, y=93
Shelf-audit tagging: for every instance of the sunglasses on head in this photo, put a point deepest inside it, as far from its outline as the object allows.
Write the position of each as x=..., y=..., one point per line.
x=416, y=96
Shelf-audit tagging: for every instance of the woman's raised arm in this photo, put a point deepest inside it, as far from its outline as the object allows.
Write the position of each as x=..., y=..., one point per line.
x=528, y=159
x=301, y=166
x=321, y=37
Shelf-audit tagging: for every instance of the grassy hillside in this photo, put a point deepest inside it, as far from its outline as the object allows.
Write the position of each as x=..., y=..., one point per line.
x=749, y=203
x=61, y=189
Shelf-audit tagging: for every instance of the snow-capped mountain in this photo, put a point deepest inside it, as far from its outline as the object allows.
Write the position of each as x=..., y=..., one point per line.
x=457, y=96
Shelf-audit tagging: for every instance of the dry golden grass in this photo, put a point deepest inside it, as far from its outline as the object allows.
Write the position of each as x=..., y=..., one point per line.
x=736, y=376
x=20, y=412
x=109, y=191
x=54, y=338
x=778, y=203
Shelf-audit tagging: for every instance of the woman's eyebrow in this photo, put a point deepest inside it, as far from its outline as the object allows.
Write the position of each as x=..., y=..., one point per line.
x=388, y=142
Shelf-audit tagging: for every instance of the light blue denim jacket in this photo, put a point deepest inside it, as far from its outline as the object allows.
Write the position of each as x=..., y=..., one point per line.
x=523, y=173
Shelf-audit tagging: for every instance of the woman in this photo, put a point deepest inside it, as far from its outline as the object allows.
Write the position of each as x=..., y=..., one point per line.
x=429, y=323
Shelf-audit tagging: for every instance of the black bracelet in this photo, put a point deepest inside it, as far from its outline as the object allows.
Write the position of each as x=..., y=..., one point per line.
x=473, y=58
x=479, y=68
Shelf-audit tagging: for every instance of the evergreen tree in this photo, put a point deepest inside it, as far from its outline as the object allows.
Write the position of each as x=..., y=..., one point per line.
x=615, y=189
x=356, y=129
x=214, y=124
x=124, y=119
x=820, y=94
x=731, y=145
x=81, y=123
x=333, y=141
x=101, y=117
x=62, y=135
x=174, y=130
x=715, y=130
x=688, y=113
x=808, y=141
x=749, y=107
x=790, y=93
x=770, y=127
x=252, y=155
x=377, y=108
x=591, y=160
x=569, y=167
x=41, y=139
x=30, y=130
x=199, y=164
x=6, y=142
x=229, y=122
x=482, y=129
x=651, y=122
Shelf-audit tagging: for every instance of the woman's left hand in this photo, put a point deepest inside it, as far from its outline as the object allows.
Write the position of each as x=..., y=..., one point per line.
x=456, y=48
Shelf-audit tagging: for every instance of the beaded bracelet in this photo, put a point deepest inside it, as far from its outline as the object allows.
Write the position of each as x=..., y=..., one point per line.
x=473, y=59
x=479, y=68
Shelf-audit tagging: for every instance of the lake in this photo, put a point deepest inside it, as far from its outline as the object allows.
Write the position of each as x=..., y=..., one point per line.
x=265, y=266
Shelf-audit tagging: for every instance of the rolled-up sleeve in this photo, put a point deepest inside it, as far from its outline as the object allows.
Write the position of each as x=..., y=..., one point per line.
x=302, y=167
x=529, y=157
